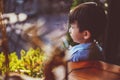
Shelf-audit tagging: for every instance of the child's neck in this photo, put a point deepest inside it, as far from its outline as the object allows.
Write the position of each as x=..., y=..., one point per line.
x=86, y=41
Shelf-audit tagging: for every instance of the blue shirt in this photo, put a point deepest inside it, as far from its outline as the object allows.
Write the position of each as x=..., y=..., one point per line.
x=81, y=52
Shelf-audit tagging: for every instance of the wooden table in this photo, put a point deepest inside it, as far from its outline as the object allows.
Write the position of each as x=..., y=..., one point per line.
x=96, y=70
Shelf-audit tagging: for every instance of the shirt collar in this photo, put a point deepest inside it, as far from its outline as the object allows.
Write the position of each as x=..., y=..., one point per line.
x=82, y=46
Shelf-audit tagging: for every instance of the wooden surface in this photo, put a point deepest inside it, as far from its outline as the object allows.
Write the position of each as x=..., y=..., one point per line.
x=93, y=71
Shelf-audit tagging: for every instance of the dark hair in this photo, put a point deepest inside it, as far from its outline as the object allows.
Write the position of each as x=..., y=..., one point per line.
x=89, y=16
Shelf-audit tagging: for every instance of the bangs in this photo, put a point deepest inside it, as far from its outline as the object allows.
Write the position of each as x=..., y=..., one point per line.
x=74, y=15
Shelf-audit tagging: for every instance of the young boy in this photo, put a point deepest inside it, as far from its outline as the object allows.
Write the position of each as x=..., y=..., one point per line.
x=88, y=22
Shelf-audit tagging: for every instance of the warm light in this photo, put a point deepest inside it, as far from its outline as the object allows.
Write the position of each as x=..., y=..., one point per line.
x=11, y=16
x=22, y=17
x=18, y=31
x=106, y=5
x=106, y=12
x=8, y=29
x=5, y=21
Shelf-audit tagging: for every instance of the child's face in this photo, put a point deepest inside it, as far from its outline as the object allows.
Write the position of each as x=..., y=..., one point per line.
x=75, y=34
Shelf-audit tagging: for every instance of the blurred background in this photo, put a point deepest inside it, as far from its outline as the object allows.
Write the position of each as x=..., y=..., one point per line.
x=24, y=20
x=49, y=17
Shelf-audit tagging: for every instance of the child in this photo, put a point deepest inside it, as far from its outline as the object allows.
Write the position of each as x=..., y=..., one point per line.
x=88, y=22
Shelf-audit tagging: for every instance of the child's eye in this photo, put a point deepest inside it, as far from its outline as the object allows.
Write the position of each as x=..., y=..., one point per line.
x=71, y=26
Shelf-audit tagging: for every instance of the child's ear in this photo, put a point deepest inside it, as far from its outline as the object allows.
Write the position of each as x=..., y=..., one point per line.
x=86, y=34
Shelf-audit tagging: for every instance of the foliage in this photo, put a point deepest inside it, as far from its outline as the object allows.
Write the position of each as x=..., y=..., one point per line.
x=76, y=2
x=2, y=60
x=30, y=63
